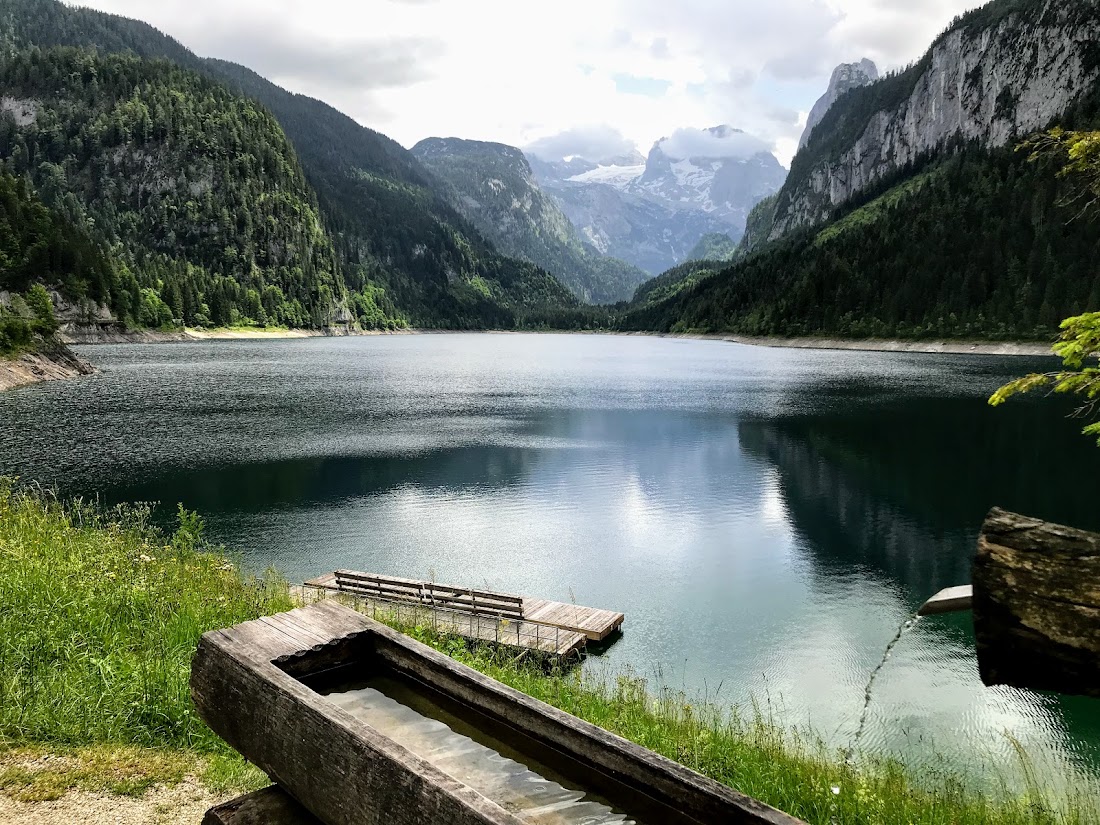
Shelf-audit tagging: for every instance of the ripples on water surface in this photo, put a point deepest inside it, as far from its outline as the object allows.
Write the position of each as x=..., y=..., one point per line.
x=765, y=518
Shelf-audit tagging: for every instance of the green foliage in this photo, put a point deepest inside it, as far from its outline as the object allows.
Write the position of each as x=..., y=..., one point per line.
x=714, y=247
x=196, y=190
x=979, y=245
x=678, y=279
x=1080, y=338
x=41, y=304
x=40, y=246
x=99, y=619
x=1081, y=153
x=1080, y=343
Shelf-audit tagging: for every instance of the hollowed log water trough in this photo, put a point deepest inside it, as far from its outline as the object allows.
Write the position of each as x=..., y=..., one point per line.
x=361, y=725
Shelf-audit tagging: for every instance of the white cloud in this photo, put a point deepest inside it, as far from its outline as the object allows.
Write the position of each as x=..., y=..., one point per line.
x=517, y=72
x=595, y=142
x=700, y=143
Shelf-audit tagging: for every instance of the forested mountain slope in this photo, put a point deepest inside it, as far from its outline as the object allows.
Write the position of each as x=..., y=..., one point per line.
x=397, y=242
x=195, y=190
x=492, y=185
x=979, y=244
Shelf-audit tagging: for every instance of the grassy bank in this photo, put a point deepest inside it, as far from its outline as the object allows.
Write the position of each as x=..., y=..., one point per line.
x=99, y=618
x=100, y=615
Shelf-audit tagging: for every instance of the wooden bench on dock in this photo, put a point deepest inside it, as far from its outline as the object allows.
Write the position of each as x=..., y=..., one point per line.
x=483, y=615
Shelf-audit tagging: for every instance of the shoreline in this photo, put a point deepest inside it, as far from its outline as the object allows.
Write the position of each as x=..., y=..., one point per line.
x=928, y=347
x=35, y=367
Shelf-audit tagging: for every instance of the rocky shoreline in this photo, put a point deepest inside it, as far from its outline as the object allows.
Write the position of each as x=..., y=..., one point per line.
x=53, y=364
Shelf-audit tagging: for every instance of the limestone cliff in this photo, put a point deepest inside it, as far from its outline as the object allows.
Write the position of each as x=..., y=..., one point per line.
x=846, y=76
x=998, y=74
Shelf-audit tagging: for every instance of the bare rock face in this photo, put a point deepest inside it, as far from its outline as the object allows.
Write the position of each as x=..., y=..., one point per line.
x=846, y=76
x=993, y=85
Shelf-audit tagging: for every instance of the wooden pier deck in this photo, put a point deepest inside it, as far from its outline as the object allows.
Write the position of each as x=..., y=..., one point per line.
x=484, y=615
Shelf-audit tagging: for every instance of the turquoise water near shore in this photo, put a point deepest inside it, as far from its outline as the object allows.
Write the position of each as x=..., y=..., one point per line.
x=765, y=518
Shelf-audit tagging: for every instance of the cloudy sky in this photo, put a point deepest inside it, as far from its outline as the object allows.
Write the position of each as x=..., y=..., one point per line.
x=574, y=75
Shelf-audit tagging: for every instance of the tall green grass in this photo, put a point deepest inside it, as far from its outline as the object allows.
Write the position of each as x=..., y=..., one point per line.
x=100, y=615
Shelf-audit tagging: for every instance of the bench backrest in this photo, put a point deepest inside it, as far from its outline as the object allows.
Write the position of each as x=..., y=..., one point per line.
x=430, y=594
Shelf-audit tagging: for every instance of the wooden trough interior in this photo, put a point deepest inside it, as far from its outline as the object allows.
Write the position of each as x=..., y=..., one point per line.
x=363, y=726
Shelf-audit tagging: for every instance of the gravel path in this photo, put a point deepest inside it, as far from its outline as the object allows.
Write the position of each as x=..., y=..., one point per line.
x=183, y=804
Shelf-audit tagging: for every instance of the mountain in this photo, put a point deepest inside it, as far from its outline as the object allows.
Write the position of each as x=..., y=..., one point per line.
x=493, y=187
x=197, y=191
x=720, y=171
x=714, y=247
x=964, y=238
x=997, y=74
x=397, y=241
x=846, y=76
x=652, y=213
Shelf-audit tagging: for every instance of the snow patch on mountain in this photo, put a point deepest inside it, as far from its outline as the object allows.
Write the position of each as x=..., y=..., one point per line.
x=618, y=176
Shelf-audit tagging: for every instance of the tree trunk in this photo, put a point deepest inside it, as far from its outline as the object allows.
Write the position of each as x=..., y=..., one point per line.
x=1037, y=605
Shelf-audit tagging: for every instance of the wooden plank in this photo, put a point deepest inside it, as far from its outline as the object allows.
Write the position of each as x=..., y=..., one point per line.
x=1036, y=605
x=595, y=623
x=948, y=600
x=270, y=806
x=338, y=768
x=518, y=635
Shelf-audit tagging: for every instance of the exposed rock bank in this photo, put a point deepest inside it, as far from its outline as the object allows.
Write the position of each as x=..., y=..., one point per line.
x=50, y=365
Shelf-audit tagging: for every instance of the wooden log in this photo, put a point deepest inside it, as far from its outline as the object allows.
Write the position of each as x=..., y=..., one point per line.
x=271, y=806
x=245, y=684
x=1037, y=605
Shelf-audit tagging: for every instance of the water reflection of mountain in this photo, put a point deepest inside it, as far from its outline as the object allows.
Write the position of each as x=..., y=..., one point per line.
x=904, y=492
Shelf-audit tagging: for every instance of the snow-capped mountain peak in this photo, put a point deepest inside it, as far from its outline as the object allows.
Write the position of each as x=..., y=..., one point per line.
x=721, y=170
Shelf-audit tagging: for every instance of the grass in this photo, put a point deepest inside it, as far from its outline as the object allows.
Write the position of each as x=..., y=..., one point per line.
x=99, y=618
x=100, y=615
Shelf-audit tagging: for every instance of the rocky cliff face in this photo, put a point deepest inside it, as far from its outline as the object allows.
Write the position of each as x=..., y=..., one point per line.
x=1000, y=73
x=846, y=76
x=653, y=213
x=720, y=171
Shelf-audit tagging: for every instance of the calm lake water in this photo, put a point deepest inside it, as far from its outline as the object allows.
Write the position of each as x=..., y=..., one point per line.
x=765, y=518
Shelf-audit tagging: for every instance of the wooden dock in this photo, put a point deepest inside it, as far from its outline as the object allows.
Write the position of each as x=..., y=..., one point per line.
x=483, y=615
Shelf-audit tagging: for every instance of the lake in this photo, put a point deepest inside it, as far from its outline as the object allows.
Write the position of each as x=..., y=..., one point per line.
x=765, y=518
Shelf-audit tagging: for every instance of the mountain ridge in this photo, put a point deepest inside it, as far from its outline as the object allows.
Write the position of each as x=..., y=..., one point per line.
x=493, y=186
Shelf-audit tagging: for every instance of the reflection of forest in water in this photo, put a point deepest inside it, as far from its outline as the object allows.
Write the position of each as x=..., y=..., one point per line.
x=903, y=489
x=901, y=494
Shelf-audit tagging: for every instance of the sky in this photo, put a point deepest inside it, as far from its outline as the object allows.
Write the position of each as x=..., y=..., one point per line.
x=589, y=77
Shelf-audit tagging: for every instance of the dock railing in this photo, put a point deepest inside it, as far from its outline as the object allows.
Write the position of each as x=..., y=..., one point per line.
x=499, y=628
